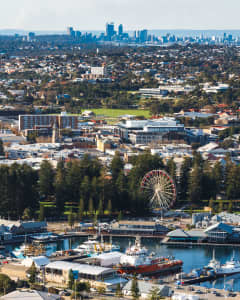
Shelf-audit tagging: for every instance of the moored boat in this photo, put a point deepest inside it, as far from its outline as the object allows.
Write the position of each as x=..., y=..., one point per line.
x=137, y=261
x=229, y=268
x=93, y=247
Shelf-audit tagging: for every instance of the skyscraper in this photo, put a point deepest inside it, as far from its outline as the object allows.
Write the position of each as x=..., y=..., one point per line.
x=31, y=36
x=110, y=30
x=70, y=31
x=143, y=35
x=120, y=29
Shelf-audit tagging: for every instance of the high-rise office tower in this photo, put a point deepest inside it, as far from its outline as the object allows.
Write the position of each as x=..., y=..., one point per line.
x=78, y=34
x=120, y=29
x=110, y=30
x=143, y=35
x=70, y=31
x=31, y=36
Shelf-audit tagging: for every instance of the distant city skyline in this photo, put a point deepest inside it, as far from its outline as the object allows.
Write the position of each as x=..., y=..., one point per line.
x=56, y=15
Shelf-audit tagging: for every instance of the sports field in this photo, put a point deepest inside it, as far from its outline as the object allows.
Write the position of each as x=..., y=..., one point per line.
x=114, y=113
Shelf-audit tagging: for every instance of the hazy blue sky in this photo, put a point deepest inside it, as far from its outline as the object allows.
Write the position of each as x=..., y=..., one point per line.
x=93, y=14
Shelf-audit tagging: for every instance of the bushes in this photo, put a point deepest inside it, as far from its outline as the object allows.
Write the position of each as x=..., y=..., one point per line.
x=6, y=284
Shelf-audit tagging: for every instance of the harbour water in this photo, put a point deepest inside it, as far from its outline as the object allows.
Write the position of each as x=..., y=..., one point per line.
x=193, y=257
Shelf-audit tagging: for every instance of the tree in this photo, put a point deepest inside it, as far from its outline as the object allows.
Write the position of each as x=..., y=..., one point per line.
x=41, y=212
x=71, y=219
x=220, y=206
x=109, y=207
x=80, y=209
x=116, y=166
x=195, y=184
x=101, y=290
x=26, y=214
x=120, y=216
x=6, y=284
x=230, y=206
x=171, y=168
x=1, y=148
x=46, y=179
x=90, y=207
x=32, y=272
x=121, y=196
x=82, y=286
x=100, y=207
x=70, y=279
x=184, y=178
x=217, y=175
x=211, y=205
x=233, y=183
x=85, y=190
x=95, y=220
x=60, y=186
x=154, y=294
x=135, y=293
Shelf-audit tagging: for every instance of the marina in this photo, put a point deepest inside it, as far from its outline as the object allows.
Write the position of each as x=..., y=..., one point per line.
x=192, y=258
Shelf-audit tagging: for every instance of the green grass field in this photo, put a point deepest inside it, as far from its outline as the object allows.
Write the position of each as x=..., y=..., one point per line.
x=114, y=113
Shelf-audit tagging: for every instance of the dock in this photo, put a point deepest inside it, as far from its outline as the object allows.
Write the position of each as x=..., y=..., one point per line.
x=68, y=257
x=201, y=279
x=166, y=241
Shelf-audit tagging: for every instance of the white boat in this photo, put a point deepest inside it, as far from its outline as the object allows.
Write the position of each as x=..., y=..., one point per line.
x=19, y=252
x=214, y=264
x=230, y=267
x=92, y=247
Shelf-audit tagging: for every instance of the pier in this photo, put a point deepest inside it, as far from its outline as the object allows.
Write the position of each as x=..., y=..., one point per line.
x=201, y=279
x=166, y=241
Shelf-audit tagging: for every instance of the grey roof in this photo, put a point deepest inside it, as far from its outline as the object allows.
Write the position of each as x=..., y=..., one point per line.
x=197, y=233
x=178, y=233
x=146, y=287
x=30, y=295
x=81, y=268
x=30, y=225
x=229, y=218
x=221, y=226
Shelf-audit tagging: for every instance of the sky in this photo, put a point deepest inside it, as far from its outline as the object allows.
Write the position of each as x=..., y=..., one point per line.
x=134, y=14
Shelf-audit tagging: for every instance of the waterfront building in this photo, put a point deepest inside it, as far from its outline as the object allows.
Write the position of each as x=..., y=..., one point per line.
x=216, y=233
x=219, y=232
x=58, y=272
x=138, y=227
x=180, y=235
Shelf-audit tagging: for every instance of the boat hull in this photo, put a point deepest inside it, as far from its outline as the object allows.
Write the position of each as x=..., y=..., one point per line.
x=169, y=267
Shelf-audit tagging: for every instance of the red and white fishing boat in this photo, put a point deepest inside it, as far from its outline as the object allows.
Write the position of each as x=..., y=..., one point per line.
x=137, y=261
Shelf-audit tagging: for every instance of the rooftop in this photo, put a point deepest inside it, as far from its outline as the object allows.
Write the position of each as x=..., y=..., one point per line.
x=82, y=268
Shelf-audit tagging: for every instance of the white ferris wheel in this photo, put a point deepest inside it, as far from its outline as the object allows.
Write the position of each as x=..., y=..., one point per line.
x=159, y=187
